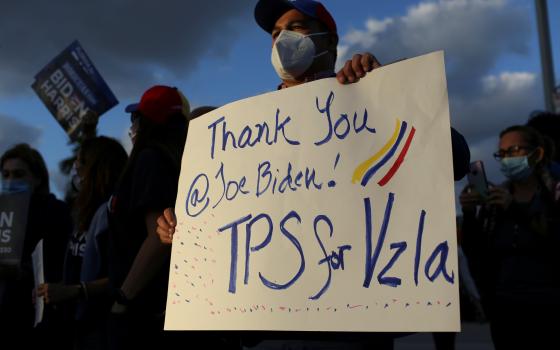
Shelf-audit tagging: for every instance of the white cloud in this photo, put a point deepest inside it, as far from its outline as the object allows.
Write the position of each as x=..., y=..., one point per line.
x=369, y=36
x=501, y=101
x=475, y=35
x=13, y=132
x=375, y=26
x=509, y=81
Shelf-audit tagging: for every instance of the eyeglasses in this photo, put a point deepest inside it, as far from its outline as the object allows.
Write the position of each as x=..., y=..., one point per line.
x=511, y=152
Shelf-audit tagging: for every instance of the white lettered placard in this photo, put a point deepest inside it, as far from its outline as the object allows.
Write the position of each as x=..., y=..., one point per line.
x=322, y=207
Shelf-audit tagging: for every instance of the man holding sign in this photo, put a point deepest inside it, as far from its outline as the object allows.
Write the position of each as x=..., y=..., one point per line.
x=307, y=24
x=316, y=30
x=304, y=50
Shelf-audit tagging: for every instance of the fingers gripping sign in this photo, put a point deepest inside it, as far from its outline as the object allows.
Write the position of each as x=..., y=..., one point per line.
x=356, y=68
x=166, y=226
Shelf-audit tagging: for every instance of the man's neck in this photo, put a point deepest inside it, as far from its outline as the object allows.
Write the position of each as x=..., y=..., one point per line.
x=307, y=78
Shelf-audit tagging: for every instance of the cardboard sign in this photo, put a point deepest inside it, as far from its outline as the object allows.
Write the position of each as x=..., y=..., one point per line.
x=321, y=207
x=38, y=279
x=13, y=223
x=72, y=89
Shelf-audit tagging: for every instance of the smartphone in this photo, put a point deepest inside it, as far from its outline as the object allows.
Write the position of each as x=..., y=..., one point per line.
x=477, y=178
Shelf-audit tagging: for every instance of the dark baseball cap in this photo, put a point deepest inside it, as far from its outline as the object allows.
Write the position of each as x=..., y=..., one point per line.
x=267, y=12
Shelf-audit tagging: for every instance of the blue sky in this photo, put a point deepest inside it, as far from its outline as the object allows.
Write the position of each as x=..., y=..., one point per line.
x=215, y=53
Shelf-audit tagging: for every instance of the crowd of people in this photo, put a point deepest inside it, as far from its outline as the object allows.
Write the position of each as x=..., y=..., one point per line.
x=107, y=250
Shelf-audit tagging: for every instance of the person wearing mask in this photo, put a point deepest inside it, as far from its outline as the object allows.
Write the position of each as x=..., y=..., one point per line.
x=511, y=239
x=24, y=170
x=85, y=286
x=304, y=49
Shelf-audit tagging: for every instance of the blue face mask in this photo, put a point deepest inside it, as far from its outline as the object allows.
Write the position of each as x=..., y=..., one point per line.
x=516, y=168
x=14, y=186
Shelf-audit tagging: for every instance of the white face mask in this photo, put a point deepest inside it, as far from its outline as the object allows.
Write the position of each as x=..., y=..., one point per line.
x=293, y=53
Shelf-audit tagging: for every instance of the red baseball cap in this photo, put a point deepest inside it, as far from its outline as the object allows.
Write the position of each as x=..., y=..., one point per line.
x=267, y=12
x=159, y=103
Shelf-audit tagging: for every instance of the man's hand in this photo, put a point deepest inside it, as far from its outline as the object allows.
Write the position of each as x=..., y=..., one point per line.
x=166, y=226
x=357, y=67
x=118, y=309
x=120, y=306
x=55, y=293
x=470, y=198
x=499, y=197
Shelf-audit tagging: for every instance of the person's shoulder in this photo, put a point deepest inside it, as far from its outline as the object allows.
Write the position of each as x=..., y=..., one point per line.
x=554, y=169
x=55, y=215
x=54, y=204
x=153, y=160
x=101, y=212
x=461, y=155
x=148, y=158
x=153, y=154
x=555, y=188
x=148, y=154
x=100, y=220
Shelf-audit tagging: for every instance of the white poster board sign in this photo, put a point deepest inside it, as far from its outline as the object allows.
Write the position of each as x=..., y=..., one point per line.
x=38, y=278
x=321, y=207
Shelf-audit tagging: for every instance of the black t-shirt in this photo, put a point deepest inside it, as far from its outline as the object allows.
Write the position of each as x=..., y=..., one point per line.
x=526, y=260
x=149, y=185
x=48, y=219
x=511, y=260
x=74, y=257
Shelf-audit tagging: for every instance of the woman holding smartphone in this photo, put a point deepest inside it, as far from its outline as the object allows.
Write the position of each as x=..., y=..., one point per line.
x=511, y=239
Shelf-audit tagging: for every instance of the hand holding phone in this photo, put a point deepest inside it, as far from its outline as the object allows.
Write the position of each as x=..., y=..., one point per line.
x=477, y=178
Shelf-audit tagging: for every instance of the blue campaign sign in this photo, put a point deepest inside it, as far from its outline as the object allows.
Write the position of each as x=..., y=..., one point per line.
x=72, y=89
